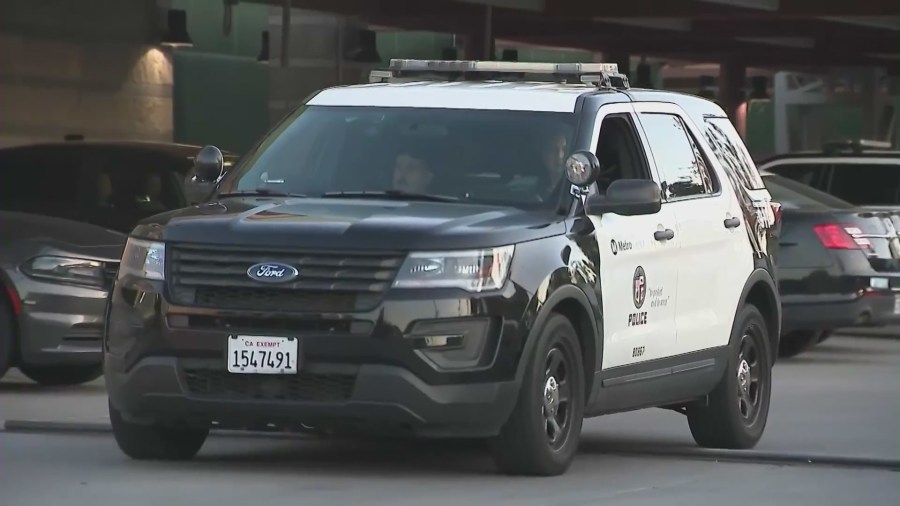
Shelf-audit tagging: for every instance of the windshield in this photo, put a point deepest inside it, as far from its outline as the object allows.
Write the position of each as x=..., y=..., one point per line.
x=479, y=156
x=793, y=194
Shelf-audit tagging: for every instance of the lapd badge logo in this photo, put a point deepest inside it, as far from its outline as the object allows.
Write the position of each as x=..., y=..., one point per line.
x=639, y=287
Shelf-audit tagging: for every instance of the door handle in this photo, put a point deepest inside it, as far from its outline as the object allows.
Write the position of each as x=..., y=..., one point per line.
x=664, y=235
x=732, y=222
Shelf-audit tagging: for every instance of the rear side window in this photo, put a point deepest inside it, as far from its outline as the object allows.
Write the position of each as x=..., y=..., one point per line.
x=683, y=171
x=812, y=174
x=41, y=180
x=867, y=184
x=790, y=193
x=729, y=148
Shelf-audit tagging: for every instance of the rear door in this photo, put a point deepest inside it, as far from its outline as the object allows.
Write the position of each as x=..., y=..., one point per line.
x=715, y=257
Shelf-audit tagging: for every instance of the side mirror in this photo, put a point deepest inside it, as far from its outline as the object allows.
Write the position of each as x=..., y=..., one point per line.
x=582, y=168
x=209, y=164
x=628, y=197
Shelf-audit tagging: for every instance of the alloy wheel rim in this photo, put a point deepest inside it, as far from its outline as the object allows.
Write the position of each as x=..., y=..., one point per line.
x=556, y=396
x=749, y=378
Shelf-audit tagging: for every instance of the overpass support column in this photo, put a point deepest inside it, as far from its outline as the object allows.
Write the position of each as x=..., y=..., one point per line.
x=732, y=76
x=479, y=40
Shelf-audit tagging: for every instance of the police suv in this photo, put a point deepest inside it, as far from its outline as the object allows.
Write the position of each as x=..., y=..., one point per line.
x=490, y=250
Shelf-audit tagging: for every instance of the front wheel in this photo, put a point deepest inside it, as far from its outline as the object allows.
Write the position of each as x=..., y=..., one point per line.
x=541, y=436
x=150, y=442
x=738, y=408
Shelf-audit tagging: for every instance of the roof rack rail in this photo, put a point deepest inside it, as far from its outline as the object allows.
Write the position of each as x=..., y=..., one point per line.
x=855, y=145
x=601, y=75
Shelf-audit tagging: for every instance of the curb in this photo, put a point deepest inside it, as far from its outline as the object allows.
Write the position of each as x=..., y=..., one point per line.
x=736, y=456
x=763, y=457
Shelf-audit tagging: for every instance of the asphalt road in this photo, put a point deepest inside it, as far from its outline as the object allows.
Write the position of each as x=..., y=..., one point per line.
x=840, y=402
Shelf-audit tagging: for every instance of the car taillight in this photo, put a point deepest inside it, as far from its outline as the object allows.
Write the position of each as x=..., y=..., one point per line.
x=835, y=236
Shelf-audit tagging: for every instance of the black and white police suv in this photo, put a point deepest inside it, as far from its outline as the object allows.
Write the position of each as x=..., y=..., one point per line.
x=466, y=249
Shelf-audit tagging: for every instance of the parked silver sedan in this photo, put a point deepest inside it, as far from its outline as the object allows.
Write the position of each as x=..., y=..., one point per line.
x=55, y=275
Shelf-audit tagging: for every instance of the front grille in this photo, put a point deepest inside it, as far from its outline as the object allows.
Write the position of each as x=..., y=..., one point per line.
x=222, y=385
x=216, y=277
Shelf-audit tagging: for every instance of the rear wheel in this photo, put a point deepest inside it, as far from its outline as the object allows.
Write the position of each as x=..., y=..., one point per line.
x=738, y=408
x=541, y=436
x=63, y=375
x=152, y=442
x=795, y=343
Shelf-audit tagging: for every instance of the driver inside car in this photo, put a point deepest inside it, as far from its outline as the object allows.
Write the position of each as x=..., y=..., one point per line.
x=412, y=173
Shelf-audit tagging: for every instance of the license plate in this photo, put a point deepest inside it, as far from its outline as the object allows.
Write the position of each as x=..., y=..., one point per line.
x=896, y=304
x=263, y=355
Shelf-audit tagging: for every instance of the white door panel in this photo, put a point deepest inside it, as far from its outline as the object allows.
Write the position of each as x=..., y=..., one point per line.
x=639, y=277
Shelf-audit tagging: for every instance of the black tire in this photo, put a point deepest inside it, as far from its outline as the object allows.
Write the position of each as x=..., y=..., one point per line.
x=150, y=442
x=795, y=343
x=7, y=336
x=736, y=413
x=555, y=371
x=63, y=375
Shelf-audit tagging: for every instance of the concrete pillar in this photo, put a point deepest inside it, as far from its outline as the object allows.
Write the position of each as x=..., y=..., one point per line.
x=732, y=76
x=479, y=41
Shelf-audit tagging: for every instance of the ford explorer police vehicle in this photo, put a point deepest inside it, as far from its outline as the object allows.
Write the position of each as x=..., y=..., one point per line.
x=490, y=250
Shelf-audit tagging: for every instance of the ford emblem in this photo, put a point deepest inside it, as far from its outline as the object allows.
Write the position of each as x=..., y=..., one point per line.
x=272, y=272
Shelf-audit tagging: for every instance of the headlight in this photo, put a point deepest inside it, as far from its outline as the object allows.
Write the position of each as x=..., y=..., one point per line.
x=67, y=270
x=472, y=270
x=143, y=259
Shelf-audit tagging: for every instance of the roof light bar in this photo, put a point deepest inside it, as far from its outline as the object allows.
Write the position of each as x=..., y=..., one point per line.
x=402, y=65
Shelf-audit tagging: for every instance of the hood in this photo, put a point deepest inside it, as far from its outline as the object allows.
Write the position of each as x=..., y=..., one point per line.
x=353, y=224
x=66, y=236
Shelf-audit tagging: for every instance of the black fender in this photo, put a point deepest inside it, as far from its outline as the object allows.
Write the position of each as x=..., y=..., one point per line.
x=563, y=294
x=761, y=289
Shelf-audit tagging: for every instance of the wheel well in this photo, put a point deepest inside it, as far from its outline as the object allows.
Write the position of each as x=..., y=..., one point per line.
x=762, y=297
x=578, y=316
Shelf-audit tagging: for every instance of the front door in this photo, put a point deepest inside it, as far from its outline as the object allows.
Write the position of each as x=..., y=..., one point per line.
x=638, y=270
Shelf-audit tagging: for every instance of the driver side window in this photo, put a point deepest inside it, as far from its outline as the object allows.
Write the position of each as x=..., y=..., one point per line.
x=619, y=152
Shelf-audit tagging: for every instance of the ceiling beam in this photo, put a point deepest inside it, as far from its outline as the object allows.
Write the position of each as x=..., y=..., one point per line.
x=715, y=10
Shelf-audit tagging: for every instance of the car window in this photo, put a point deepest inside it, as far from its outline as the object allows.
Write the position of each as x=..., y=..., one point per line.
x=812, y=174
x=480, y=156
x=866, y=184
x=126, y=185
x=729, y=148
x=43, y=180
x=682, y=169
x=793, y=194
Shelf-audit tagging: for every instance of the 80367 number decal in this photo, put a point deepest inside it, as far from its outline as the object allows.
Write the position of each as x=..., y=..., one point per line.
x=263, y=355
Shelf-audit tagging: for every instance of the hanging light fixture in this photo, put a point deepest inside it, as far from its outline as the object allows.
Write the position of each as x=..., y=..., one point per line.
x=176, y=30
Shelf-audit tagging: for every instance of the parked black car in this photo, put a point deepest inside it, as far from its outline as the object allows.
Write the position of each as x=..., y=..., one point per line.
x=838, y=264
x=64, y=210
x=864, y=173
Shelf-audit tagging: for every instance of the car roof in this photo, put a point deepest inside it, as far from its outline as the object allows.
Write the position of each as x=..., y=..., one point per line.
x=172, y=148
x=498, y=95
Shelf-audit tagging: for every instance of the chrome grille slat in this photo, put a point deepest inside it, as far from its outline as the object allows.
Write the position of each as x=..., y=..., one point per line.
x=329, y=281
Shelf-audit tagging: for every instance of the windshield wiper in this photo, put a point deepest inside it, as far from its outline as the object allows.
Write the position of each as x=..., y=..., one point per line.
x=264, y=192
x=391, y=194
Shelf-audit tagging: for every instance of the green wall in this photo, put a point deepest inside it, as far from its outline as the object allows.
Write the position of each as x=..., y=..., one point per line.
x=220, y=91
x=220, y=100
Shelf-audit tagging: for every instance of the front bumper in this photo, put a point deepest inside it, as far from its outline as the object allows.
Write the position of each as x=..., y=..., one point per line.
x=59, y=324
x=369, y=371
